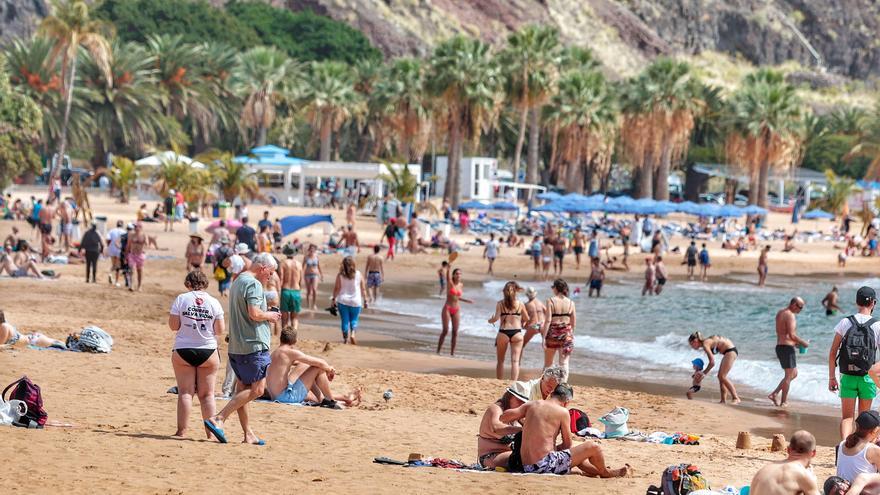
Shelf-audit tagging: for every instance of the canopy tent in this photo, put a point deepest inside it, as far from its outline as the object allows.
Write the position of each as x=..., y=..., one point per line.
x=269, y=155
x=292, y=223
x=168, y=156
x=818, y=214
x=353, y=171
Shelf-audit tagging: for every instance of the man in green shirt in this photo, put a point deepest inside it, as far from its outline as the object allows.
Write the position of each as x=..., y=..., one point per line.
x=249, y=339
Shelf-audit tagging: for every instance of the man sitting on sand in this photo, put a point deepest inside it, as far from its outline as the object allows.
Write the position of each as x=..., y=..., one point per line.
x=792, y=476
x=544, y=421
x=539, y=388
x=294, y=377
x=495, y=437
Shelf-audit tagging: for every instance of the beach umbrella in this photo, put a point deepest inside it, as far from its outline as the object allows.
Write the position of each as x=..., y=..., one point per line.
x=754, y=210
x=474, y=205
x=707, y=210
x=575, y=197
x=686, y=207
x=232, y=225
x=730, y=211
x=292, y=223
x=554, y=207
x=818, y=214
x=549, y=196
x=505, y=206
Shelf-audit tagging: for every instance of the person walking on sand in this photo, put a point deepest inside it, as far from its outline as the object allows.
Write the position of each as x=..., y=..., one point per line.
x=135, y=254
x=786, y=340
x=560, y=319
x=543, y=422
x=92, y=244
x=705, y=263
x=648, y=288
x=546, y=259
x=856, y=337
x=762, y=266
x=559, y=247
x=535, y=309
x=195, y=253
x=349, y=296
x=375, y=274
x=390, y=233
x=690, y=257
x=713, y=345
x=578, y=240
x=114, y=251
x=830, y=302
x=197, y=319
x=535, y=252
x=792, y=476
x=490, y=252
x=291, y=293
x=249, y=341
x=312, y=274
x=450, y=315
x=513, y=318
x=168, y=204
x=660, y=275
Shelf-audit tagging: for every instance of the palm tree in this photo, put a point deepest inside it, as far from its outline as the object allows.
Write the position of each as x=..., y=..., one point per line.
x=530, y=61
x=584, y=117
x=869, y=143
x=402, y=182
x=765, y=129
x=465, y=80
x=659, y=107
x=839, y=191
x=72, y=27
x=402, y=99
x=124, y=176
x=329, y=100
x=126, y=111
x=195, y=184
x=260, y=80
x=233, y=178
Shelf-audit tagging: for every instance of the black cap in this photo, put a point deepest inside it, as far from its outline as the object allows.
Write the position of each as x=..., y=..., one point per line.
x=868, y=420
x=865, y=296
x=835, y=485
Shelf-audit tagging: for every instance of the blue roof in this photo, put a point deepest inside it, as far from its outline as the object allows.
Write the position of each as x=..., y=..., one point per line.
x=269, y=155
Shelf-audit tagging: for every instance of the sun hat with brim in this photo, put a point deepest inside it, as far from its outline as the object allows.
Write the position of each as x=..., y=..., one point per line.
x=197, y=236
x=242, y=248
x=520, y=390
x=224, y=240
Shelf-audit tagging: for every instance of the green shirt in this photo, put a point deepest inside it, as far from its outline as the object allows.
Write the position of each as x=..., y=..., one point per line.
x=245, y=335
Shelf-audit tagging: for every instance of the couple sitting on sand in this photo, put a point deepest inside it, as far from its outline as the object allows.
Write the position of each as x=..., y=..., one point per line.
x=543, y=418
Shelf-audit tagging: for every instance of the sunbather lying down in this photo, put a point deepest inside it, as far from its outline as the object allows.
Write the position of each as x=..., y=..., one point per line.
x=10, y=336
x=295, y=377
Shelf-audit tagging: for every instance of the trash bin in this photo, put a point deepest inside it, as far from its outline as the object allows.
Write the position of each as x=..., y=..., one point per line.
x=215, y=210
x=101, y=223
x=193, y=225
x=223, y=210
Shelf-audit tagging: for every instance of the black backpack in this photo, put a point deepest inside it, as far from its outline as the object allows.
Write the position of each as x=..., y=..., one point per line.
x=858, y=350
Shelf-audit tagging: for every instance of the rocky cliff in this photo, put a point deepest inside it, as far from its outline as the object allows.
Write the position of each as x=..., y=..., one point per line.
x=837, y=35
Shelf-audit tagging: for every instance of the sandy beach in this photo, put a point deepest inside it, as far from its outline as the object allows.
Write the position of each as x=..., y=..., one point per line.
x=122, y=417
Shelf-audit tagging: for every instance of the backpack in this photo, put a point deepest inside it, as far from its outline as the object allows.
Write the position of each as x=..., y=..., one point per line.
x=858, y=350
x=26, y=391
x=679, y=479
x=579, y=420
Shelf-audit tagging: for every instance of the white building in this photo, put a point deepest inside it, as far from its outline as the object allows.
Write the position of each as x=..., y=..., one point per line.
x=478, y=176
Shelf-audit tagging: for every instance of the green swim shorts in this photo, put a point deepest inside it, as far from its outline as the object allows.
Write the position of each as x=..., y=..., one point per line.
x=291, y=301
x=857, y=387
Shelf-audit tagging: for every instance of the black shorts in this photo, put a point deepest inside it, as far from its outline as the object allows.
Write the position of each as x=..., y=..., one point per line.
x=559, y=254
x=661, y=281
x=46, y=228
x=694, y=389
x=578, y=250
x=787, y=356
x=692, y=262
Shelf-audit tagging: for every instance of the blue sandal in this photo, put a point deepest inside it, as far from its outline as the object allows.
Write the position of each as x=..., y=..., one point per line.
x=217, y=432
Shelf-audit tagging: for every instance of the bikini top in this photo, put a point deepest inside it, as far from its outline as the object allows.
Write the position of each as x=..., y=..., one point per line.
x=517, y=312
x=312, y=262
x=555, y=315
x=453, y=291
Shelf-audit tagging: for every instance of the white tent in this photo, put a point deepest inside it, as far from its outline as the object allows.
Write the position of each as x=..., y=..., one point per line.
x=156, y=160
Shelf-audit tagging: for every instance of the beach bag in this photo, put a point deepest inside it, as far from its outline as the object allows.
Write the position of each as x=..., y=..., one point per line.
x=12, y=411
x=219, y=273
x=858, y=351
x=615, y=422
x=579, y=420
x=92, y=339
x=26, y=391
x=680, y=479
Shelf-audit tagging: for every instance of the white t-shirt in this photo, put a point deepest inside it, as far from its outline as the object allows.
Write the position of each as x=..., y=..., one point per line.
x=492, y=249
x=350, y=291
x=197, y=311
x=113, y=247
x=845, y=325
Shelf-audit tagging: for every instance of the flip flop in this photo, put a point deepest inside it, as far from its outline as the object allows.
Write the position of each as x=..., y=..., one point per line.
x=260, y=443
x=217, y=432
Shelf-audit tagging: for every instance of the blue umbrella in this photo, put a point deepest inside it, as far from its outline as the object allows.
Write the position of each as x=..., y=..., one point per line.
x=731, y=211
x=708, y=210
x=754, y=210
x=293, y=223
x=549, y=196
x=505, y=206
x=686, y=207
x=818, y=214
x=554, y=207
x=474, y=205
x=575, y=197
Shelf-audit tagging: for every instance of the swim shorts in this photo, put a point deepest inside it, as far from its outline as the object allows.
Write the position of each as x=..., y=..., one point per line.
x=295, y=393
x=694, y=389
x=137, y=260
x=374, y=279
x=250, y=368
x=596, y=284
x=559, y=254
x=291, y=300
x=857, y=387
x=787, y=356
x=661, y=281
x=46, y=228
x=578, y=249
x=555, y=462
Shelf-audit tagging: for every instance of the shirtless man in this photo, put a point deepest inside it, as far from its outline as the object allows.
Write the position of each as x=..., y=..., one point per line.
x=350, y=212
x=220, y=232
x=660, y=274
x=375, y=274
x=648, y=288
x=47, y=213
x=559, y=246
x=294, y=377
x=792, y=476
x=830, y=302
x=762, y=266
x=786, y=340
x=350, y=241
x=18, y=264
x=65, y=226
x=577, y=245
x=291, y=295
x=494, y=438
x=134, y=252
x=535, y=309
x=544, y=421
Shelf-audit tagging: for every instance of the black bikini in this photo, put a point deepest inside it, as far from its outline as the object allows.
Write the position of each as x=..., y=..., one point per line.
x=510, y=332
x=195, y=357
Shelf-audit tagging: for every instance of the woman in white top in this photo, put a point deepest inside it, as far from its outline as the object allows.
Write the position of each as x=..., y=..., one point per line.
x=349, y=295
x=198, y=319
x=858, y=453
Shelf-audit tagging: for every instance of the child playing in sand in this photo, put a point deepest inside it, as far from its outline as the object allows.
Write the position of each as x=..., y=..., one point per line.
x=441, y=274
x=697, y=378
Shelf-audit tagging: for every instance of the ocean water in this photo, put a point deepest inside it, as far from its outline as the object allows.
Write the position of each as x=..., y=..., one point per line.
x=625, y=335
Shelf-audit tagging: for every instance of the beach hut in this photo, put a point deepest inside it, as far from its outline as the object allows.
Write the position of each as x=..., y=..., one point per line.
x=278, y=171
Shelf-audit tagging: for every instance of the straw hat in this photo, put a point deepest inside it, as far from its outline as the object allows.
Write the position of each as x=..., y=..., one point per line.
x=197, y=236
